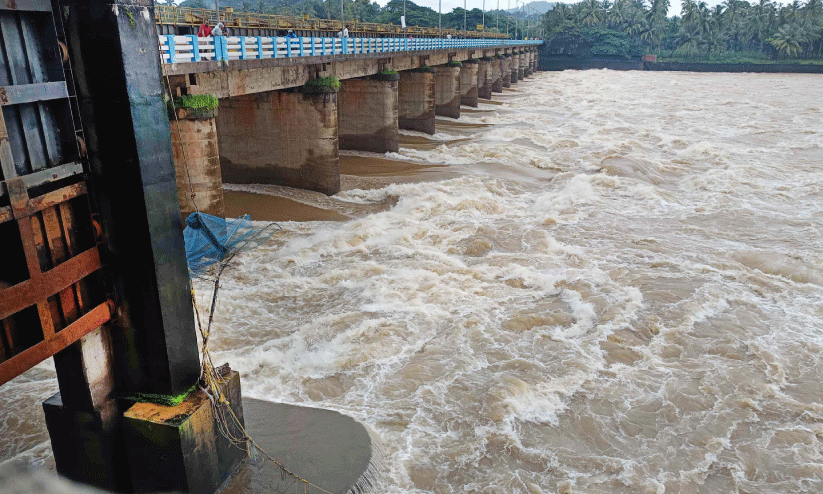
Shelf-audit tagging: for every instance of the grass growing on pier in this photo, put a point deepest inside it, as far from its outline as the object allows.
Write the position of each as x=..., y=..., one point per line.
x=196, y=102
x=329, y=83
x=193, y=104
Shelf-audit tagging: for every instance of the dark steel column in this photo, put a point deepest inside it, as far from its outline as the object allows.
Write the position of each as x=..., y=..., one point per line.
x=115, y=52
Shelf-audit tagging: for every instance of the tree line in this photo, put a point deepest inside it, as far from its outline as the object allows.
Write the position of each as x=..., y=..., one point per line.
x=365, y=11
x=733, y=30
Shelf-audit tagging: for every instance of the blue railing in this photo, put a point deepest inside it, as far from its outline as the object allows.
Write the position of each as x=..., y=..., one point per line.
x=178, y=49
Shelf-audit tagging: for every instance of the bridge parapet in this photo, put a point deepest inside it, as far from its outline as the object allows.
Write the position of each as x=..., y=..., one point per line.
x=180, y=49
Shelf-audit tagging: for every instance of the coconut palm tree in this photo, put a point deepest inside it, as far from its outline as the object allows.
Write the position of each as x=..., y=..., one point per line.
x=787, y=40
x=592, y=13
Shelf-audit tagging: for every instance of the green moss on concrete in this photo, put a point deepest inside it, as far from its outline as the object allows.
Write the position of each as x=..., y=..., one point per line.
x=158, y=399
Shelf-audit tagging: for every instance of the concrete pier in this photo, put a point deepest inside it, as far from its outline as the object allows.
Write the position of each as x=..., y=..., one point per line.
x=416, y=100
x=521, y=66
x=182, y=448
x=197, y=163
x=367, y=114
x=506, y=71
x=469, y=83
x=497, y=75
x=484, y=79
x=513, y=62
x=447, y=91
x=280, y=137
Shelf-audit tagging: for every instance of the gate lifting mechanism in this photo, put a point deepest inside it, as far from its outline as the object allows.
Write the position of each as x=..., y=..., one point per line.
x=51, y=291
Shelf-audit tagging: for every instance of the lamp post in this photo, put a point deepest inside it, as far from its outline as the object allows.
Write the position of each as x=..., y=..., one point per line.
x=484, y=16
x=498, y=16
x=464, y=17
x=440, y=17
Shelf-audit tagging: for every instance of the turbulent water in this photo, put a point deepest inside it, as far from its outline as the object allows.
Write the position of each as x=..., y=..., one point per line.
x=620, y=293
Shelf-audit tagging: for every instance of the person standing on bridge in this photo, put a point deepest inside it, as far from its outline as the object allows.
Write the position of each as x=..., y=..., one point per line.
x=218, y=30
x=205, y=31
x=345, y=31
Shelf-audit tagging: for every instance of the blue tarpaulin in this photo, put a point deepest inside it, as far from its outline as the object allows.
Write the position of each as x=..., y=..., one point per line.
x=210, y=239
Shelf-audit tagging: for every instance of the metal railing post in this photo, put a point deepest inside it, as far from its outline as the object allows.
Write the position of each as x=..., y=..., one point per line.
x=274, y=46
x=300, y=41
x=195, y=48
x=313, y=49
x=259, y=47
x=172, y=51
x=242, y=47
x=288, y=47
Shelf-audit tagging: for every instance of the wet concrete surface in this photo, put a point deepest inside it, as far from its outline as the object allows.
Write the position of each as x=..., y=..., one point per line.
x=331, y=450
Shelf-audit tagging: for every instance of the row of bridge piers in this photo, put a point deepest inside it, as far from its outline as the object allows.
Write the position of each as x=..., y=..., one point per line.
x=292, y=136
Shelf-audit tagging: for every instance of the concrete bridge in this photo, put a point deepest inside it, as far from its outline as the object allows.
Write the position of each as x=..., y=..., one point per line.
x=271, y=127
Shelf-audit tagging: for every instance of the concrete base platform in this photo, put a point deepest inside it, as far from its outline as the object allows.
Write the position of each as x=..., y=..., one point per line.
x=327, y=448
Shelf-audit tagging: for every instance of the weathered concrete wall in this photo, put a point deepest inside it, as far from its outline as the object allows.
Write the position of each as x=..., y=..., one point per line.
x=468, y=84
x=521, y=70
x=734, y=67
x=197, y=165
x=484, y=79
x=548, y=62
x=367, y=111
x=239, y=77
x=280, y=137
x=447, y=91
x=416, y=101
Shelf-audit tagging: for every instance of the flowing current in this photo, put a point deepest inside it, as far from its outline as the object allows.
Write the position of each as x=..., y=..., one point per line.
x=616, y=288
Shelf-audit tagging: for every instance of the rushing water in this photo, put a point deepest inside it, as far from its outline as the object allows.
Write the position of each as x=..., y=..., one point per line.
x=619, y=292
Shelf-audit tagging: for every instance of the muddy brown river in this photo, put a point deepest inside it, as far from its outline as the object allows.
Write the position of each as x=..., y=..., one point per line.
x=609, y=282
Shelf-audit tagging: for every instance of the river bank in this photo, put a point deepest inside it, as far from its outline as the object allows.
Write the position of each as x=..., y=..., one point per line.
x=566, y=63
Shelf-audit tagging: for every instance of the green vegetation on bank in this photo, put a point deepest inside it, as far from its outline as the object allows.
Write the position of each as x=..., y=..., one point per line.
x=734, y=32
x=366, y=11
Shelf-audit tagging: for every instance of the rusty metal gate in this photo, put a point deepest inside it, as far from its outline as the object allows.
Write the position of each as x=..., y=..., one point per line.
x=51, y=291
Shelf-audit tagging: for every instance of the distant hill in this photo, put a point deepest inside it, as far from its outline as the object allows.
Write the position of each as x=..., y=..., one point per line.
x=538, y=6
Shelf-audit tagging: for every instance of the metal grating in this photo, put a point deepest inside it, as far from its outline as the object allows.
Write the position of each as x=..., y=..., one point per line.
x=33, y=94
x=50, y=291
